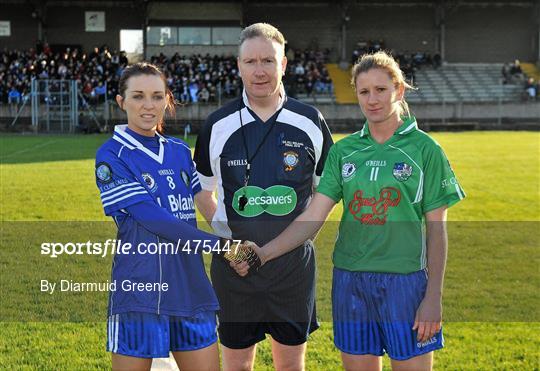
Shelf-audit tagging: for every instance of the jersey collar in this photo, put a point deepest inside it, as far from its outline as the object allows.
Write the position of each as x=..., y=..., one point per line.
x=409, y=125
x=282, y=98
x=120, y=135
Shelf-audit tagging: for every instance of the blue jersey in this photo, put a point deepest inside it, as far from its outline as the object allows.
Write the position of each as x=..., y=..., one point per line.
x=128, y=173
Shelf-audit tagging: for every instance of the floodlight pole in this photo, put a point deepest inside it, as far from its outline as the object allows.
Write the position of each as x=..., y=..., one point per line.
x=345, y=18
x=499, y=102
x=440, y=21
x=537, y=17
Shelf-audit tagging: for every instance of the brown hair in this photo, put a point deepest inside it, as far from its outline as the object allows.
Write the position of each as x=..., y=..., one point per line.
x=264, y=30
x=386, y=62
x=145, y=68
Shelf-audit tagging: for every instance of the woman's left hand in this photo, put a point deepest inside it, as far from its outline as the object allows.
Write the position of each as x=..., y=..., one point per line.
x=428, y=320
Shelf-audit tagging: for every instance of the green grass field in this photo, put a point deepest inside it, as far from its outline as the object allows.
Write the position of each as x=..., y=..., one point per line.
x=492, y=284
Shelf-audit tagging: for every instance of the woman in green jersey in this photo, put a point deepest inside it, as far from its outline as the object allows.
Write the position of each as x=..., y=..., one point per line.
x=396, y=184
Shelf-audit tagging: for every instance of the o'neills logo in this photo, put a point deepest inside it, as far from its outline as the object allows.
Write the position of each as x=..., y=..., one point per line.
x=371, y=210
x=277, y=200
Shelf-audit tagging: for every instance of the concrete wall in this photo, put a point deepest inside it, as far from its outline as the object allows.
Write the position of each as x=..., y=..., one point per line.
x=190, y=11
x=491, y=34
x=402, y=28
x=302, y=25
x=67, y=26
x=24, y=28
x=482, y=112
x=317, y=25
x=455, y=111
x=473, y=34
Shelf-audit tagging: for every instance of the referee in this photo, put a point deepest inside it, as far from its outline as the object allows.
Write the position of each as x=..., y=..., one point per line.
x=264, y=152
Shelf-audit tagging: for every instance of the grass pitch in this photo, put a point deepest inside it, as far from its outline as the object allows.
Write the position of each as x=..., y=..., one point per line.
x=491, y=295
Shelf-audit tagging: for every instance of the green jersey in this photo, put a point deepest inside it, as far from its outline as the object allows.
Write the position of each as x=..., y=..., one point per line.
x=386, y=190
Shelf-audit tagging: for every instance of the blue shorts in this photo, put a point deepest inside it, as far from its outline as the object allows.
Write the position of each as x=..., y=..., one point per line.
x=148, y=335
x=374, y=313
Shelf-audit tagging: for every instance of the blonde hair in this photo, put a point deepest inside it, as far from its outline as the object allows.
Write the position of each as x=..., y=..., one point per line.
x=384, y=61
x=264, y=30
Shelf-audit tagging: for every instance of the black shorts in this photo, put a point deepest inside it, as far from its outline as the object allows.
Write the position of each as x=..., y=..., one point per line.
x=279, y=300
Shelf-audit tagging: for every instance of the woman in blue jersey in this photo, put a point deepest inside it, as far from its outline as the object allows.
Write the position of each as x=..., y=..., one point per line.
x=389, y=258
x=162, y=300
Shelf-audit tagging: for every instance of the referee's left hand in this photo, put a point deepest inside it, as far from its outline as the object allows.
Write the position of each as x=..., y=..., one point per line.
x=428, y=320
x=254, y=261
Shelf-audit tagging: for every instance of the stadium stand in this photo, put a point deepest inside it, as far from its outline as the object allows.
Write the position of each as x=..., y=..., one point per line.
x=451, y=83
x=462, y=82
x=440, y=36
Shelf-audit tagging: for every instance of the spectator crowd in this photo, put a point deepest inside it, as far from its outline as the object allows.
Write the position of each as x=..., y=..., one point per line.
x=97, y=72
x=307, y=74
x=193, y=78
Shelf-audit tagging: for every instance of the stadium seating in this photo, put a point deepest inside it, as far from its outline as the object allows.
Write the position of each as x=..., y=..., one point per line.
x=463, y=83
x=452, y=83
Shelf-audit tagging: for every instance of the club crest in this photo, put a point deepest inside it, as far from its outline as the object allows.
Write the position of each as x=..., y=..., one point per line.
x=347, y=171
x=103, y=172
x=290, y=160
x=402, y=171
x=150, y=182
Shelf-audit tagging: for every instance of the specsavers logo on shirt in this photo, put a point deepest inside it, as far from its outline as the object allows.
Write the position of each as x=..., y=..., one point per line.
x=277, y=200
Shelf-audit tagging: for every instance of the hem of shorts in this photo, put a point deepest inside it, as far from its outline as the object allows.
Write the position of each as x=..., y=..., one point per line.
x=314, y=328
x=261, y=338
x=404, y=358
x=132, y=354
x=241, y=345
x=291, y=343
x=153, y=310
x=188, y=349
x=299, y=341
x=359, y=353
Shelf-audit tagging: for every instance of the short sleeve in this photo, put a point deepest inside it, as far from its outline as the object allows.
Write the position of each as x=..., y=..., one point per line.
x=118, y=187
x=331, y=184
x=208, y=180
x=441, y=186
x=327, y=143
